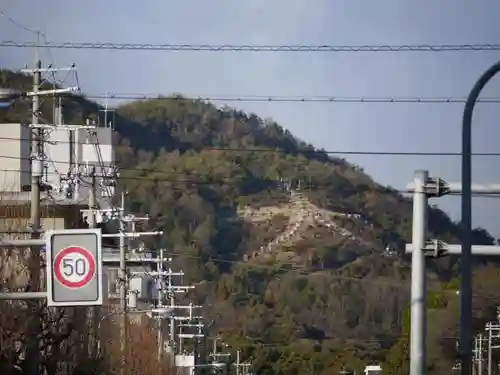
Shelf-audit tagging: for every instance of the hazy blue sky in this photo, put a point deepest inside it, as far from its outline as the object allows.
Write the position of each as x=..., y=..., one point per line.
x=337, y=126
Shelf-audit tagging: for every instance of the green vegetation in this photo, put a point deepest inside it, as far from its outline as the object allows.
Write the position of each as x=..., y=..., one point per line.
x=333, y=303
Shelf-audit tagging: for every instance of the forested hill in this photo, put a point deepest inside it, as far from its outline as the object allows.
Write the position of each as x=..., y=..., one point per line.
x=298, y=250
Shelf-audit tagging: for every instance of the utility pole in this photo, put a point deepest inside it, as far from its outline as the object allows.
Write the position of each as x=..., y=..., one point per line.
x=33, y=358
x=123, y=274
x=490, y=352
x=32, y=362
x=480, y=354
x=238, y=362
x=172, y=306
x=160, y=286
x=96, y=318
x=245, y=365
x=123, y=288
x=92, y=200
x=493, y=329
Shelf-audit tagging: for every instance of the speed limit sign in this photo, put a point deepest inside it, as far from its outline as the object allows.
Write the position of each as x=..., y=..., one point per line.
x=74, y=267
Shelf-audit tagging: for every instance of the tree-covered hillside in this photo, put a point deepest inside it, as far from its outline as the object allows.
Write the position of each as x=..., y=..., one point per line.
x=325, y=299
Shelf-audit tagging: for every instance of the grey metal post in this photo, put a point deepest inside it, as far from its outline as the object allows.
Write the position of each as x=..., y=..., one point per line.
x=418, y=280
x=33, y=359
x=466, y=331
x=123, y=289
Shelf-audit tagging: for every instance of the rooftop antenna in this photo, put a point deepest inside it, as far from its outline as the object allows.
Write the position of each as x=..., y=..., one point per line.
x=108, y=122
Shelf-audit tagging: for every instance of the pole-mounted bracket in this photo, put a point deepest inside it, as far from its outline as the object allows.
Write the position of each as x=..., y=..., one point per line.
x=436, y=187
x=432, y=249
x=435, y=249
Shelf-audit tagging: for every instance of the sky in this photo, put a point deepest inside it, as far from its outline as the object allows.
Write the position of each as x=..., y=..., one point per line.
x=387, y=127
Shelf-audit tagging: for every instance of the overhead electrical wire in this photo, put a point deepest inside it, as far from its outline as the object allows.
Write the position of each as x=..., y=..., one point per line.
x=254, y=47
x=202, y=180
x=293, y=99
x=289, y=266
x=281, y=151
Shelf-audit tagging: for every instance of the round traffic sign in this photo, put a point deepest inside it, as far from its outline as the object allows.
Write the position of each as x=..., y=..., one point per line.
x=74, y=267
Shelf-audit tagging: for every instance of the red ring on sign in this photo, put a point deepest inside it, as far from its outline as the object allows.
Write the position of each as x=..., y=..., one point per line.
x=83, y=252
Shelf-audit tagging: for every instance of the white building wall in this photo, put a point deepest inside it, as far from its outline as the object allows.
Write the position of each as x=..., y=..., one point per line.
x=15, y=166
x=86, y=150
x=95, y=149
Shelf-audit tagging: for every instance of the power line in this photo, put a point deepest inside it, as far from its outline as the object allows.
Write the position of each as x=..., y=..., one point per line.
x=293, y=99
x=17, y=24
x=255, y=47
x=276, y=150
x=204, y=180
x=288, y=266
x=32, y=31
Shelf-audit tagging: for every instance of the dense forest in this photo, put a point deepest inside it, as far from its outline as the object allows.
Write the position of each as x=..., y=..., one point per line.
x=324, y=302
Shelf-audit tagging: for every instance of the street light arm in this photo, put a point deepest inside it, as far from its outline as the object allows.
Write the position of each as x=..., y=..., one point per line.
x=466, y=332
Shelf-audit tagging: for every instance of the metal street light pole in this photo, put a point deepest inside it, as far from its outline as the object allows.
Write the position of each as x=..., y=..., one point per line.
x=418, y=327
x=466, y=332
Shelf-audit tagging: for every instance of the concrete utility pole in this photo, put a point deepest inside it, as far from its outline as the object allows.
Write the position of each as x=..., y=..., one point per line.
x=480, y=354
x=96, y=318
x=172, y=305
x=238, y=362
x=33, y=352
x=490, y=352
x=239, y=365
x=160, y=286
x=493, y=331
x=92, y=200
x=8, y=96
x=123, y=275
x=123, y=288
